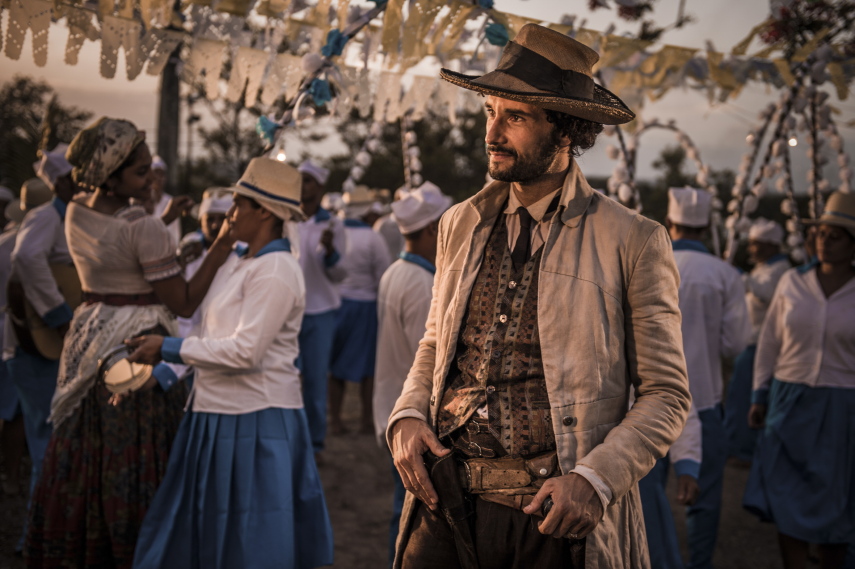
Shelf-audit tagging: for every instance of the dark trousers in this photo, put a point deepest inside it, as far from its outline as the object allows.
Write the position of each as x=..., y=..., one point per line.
x=505, y=538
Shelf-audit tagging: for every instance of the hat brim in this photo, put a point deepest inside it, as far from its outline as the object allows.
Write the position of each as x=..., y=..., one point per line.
x=604, y=107
x=835, y=221
x=277, y=208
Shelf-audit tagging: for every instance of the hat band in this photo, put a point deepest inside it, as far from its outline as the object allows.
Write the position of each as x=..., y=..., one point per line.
x=268, y=195
x=541, y=73
x=839, y=214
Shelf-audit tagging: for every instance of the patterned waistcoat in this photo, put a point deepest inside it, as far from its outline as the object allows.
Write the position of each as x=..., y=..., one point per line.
x=498, y=361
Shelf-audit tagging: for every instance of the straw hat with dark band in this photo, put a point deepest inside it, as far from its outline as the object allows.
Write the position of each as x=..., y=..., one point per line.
x=547, y=69
x=839, y=211
x=274, y=185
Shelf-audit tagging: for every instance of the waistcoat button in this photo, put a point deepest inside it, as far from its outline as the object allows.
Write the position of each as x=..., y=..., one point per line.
x=491, y=389
x=569, y=421
x=512, y=285
x=503, y=318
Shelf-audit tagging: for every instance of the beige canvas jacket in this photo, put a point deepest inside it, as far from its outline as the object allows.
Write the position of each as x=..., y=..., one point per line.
x=608, y=319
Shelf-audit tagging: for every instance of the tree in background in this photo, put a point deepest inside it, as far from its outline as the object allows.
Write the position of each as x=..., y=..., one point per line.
x=32, y=118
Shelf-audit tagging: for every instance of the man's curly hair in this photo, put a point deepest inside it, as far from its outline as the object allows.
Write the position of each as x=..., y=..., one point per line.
x=582, y=133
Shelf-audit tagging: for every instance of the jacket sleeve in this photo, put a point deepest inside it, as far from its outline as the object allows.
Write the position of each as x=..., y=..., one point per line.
x=30, y=262
x=655, y=365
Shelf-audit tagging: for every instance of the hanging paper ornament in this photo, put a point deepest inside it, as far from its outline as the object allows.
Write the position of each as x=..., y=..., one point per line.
x=415, y=164
x=348, y=186
x=750, y=203
x=312, y=63
x=794, y=240
x=416, y=180
x=497, y=34
x=335, y=43
x=372, y=144
x=414, y=151
x=625, y=193
x=320, y=92
x=410, y=137
x=376, y=129
x=266, y=129
x=363, y=158
x=357, y=172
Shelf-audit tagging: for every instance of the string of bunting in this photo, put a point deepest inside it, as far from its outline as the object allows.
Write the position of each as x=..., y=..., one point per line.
x=148, y=31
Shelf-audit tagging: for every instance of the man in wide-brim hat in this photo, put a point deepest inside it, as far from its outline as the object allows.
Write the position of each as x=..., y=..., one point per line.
x=551, y=303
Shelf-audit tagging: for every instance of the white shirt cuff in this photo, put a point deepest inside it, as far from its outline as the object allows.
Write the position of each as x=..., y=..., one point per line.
x=603, y=491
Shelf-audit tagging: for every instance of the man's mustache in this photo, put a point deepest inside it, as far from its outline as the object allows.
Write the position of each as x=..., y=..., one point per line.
x=501, y=149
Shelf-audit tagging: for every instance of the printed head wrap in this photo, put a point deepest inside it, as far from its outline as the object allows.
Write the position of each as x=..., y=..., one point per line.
x=99, y=149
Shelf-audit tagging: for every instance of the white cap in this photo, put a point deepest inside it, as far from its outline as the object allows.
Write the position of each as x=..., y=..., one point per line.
x=157, y=163
x=53, y=165
x=689, y=207
x=319, y=174
x=419, y=207
x=6, y=195
x=216, y=200
x=767, y=231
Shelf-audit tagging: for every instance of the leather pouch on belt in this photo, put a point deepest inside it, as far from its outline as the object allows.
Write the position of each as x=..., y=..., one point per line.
x=490, y=474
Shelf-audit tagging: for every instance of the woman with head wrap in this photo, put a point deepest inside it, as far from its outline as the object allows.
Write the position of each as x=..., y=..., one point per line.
x=242, y=488
x=104, y=462
x=804, y=399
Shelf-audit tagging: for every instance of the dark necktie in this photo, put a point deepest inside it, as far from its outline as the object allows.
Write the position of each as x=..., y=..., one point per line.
x=522, y=248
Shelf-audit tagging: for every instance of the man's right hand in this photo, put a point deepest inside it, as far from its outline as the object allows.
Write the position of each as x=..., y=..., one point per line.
x=411, y=438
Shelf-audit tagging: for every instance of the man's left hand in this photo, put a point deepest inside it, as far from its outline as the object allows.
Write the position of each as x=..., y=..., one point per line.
x=576, y=509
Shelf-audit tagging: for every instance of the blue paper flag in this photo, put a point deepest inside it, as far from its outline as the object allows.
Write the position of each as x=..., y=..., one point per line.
x=496, y=34
x=486, y=4
x=335, y=43
x=320, y=92
x=266, y=129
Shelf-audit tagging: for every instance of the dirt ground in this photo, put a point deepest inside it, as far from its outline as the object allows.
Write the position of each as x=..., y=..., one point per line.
x=358, y=485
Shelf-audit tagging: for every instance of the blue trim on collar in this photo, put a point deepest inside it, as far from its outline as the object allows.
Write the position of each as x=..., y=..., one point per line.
x=775, y=258
x=689, y=245
x=802, y=269
x=322, y=215
x=274, y=246
x=268, y=194
x=60, y=206
x=418, y=260
x=355, y=223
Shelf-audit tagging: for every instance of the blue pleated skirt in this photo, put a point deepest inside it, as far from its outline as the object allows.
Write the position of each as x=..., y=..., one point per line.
x=803, y=474
x=355, y=341
x=240, y=491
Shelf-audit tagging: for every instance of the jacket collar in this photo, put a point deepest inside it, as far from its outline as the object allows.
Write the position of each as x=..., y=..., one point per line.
x=576, y=196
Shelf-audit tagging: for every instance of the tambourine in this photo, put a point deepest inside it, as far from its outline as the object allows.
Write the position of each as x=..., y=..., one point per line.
x=120, y=375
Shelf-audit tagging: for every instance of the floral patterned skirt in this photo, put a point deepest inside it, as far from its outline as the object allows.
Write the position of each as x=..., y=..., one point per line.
x=101, y=471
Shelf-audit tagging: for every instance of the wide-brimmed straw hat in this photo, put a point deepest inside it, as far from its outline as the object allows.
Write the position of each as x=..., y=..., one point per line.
x=839, y=211
x=275, y=186
x=547, y=69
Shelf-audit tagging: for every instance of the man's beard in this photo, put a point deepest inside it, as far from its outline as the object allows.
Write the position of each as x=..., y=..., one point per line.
x=525, y=169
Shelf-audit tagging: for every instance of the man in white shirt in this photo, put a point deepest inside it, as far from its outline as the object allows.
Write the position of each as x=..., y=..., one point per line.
x=355, y=338
x=321, y=250
x=765, y=239
x=39, y=245
x=388, y=229
x=403, y=303
x=715, y=325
